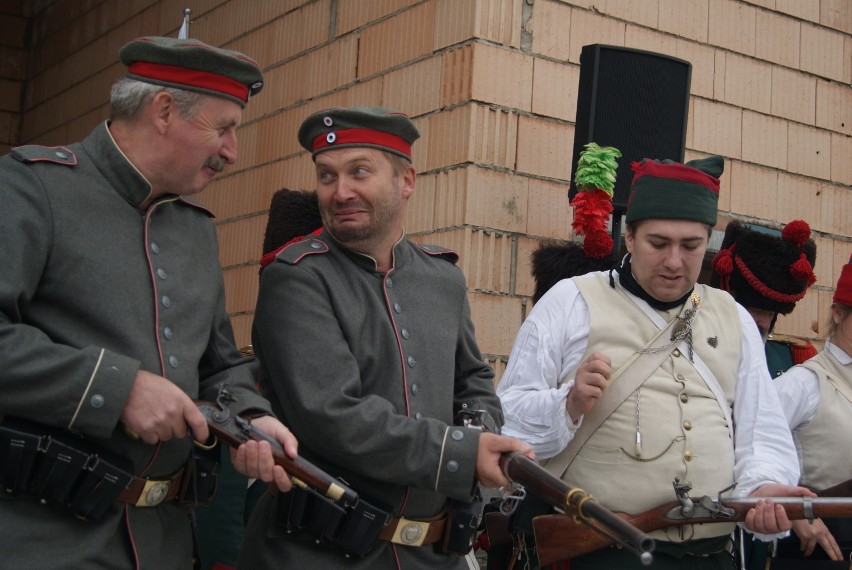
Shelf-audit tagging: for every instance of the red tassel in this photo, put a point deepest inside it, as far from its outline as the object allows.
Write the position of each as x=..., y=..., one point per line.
x=801, y=269
x=796, y=232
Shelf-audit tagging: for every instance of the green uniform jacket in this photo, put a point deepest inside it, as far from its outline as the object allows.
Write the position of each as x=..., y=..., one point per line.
x=368, y=369
x=93, y=289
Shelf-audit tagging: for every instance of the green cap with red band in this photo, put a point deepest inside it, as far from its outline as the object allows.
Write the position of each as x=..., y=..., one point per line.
x=669, y=190
x=192, y=65
x=372, y=127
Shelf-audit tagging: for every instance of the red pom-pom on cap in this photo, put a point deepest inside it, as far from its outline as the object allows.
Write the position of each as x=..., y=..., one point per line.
x=796, y=232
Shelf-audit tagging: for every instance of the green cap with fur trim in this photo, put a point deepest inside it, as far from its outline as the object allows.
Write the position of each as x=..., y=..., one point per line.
x=192, y=65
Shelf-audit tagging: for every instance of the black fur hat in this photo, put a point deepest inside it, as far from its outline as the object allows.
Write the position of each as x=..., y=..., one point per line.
x=292, y=214
x=552, y=262
x=764, y=268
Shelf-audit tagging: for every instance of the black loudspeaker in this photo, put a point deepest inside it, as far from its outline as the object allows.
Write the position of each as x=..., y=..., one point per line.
x=634, y=100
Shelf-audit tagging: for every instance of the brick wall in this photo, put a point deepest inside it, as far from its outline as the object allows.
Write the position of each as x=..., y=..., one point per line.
x=492, y=85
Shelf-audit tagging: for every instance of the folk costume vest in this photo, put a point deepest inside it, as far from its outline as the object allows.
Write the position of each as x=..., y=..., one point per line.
x=827, y=465
x=683, y=430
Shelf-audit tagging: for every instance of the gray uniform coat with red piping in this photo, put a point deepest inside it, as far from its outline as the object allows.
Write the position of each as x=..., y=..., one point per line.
x=368, y=369
x=92, y=289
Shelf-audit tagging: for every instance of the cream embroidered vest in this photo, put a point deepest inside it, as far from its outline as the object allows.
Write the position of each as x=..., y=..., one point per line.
x=824, y=442
x=684, y=431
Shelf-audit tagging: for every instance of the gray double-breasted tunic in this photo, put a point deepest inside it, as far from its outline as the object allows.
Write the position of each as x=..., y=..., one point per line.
x=93, y=289
x=367, y=369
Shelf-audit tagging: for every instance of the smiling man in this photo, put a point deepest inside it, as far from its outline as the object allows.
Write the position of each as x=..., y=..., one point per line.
x=702, y=411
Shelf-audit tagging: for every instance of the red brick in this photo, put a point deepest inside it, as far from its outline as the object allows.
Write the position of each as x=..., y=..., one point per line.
x=544, y=148
x=554, y=89
x=777, y=38
x=241, y=285
x=746, y=179
x=797, y=198
x=457, y=21
x=497, y=319
x=685, y=18
x=472, y=133
x=808, y=151
x=834, y=107
x=793, y=95
x=732, y=26
x=823, y=53
x=764, y=140
x=414, y=89
x=590, y=28
x=836, y=14
x=550, y=27
x=352, y=14
x=382, y=46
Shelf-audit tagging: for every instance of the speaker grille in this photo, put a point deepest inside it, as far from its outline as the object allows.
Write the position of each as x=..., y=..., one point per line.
x=634, y=100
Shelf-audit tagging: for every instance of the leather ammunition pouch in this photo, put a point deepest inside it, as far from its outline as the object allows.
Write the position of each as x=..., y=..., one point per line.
x=353, y=528
x=61, y=468
x=356, y=529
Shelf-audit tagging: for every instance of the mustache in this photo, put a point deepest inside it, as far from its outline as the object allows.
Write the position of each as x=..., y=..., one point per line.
x=215, y=163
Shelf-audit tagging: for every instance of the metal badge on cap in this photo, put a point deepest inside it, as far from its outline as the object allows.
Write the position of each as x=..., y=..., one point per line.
x=327, y=121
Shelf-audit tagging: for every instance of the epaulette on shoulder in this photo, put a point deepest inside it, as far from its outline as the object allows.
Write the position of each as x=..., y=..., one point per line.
x=788, y=339
x=297, y=251
x=35, y=153
x=437, y=251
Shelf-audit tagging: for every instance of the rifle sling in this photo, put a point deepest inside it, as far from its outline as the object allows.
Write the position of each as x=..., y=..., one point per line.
x=640, y=366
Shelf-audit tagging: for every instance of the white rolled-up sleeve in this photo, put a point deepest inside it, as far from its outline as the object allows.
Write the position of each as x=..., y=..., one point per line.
x=547, y=351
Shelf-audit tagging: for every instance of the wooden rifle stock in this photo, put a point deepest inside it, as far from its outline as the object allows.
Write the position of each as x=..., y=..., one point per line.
x=589, y=514
x=235, y=431
x=559, y=537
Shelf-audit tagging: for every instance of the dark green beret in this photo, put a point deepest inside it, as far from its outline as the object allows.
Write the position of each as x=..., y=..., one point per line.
x=373, y=127
x=664, y=189
x=192, y=65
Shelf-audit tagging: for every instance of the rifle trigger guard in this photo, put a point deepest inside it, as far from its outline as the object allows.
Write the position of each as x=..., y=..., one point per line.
x=509, y=502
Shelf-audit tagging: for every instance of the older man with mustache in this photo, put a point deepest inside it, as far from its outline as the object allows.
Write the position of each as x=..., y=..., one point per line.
x=112, y=320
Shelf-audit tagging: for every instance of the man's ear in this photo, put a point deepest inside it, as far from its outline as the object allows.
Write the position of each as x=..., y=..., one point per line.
x=163, y=111
x=408, y=179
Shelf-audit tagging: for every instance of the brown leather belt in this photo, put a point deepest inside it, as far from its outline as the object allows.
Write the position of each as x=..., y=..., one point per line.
x=151, y=492
x=414, y=533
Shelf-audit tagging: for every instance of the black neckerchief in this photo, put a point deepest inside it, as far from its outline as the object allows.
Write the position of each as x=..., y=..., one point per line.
x=625, y=276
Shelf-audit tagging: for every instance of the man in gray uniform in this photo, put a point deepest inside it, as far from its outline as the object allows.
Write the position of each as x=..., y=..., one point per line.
x=112, y=319
x=368, y=351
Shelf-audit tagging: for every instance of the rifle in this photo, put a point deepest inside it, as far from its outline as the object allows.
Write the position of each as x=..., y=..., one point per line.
x=234, y=430
x=559, y=537
x=585, y=511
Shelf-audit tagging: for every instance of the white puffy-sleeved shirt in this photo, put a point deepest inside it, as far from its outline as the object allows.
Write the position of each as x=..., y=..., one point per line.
x=551, y=345
x=798, y=389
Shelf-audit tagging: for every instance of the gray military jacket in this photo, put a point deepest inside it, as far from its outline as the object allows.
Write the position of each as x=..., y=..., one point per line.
x=367, y=369
x=93, y=289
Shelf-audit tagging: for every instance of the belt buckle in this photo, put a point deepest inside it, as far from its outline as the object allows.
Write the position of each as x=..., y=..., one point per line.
x=410, y=533
x=153, y=493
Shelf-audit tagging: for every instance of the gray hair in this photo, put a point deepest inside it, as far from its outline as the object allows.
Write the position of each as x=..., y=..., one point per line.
x=128, y=96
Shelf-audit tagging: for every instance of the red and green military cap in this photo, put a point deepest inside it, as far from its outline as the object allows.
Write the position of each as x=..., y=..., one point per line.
x=669, y=190
x=371, y=127
x=192, y=65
